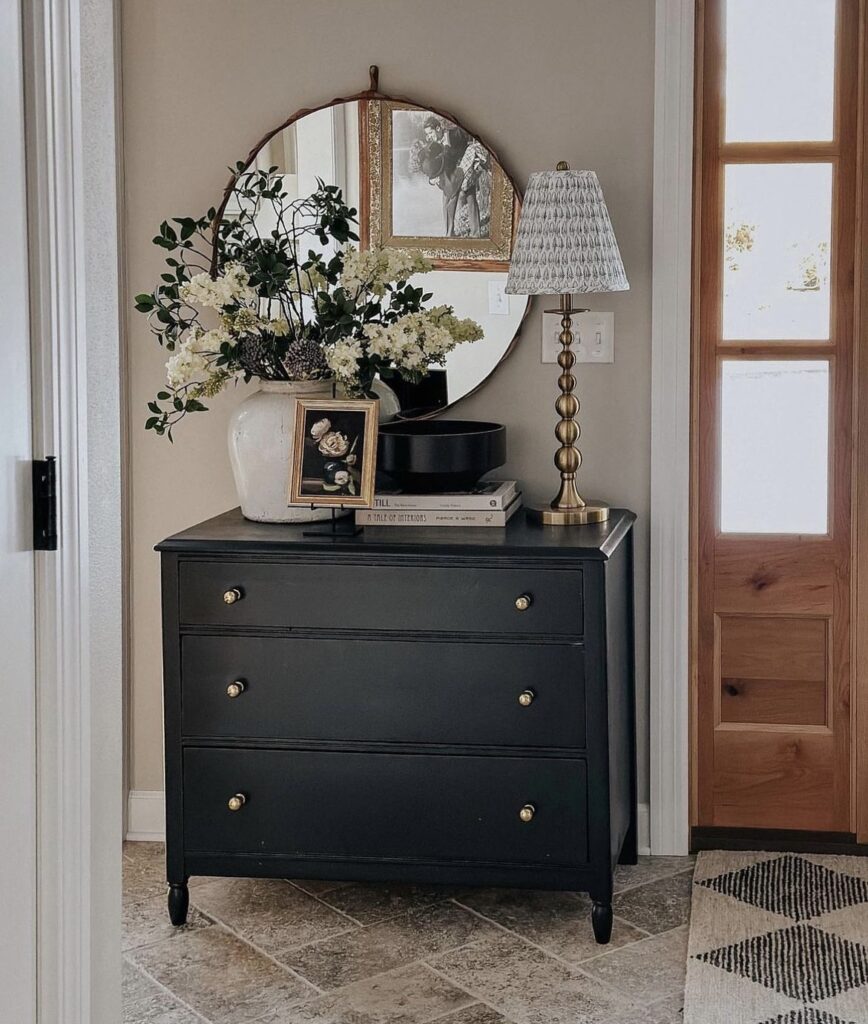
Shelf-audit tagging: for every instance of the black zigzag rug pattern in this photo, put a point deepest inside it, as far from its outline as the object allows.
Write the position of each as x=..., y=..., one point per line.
x=783, y=940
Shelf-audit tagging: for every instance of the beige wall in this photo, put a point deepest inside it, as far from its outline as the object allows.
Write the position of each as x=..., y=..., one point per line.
x=542, y=80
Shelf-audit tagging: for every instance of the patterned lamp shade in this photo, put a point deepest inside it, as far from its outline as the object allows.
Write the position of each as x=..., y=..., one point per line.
x=565, y=243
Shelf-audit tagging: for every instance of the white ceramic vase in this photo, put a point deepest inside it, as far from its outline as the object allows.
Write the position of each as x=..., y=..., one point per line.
x=261, y=438
x=389, y=404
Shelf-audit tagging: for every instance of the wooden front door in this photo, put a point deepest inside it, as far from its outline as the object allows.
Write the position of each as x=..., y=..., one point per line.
x=774, y=316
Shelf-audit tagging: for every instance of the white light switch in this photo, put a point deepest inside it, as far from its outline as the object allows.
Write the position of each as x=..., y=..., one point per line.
x=593, y=337
x=498, y=300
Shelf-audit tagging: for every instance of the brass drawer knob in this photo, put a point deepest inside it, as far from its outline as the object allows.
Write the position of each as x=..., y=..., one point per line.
x=236, y=689
x=525, y=698
x=523, y=602
x=233, y=595
x=237, y=802
x=527, y=812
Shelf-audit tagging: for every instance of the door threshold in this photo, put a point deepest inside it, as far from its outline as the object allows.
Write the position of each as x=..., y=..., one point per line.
x=775, y=841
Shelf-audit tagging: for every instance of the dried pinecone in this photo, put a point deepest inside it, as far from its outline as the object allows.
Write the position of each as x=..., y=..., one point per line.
x=305, y=360
x=253, y=356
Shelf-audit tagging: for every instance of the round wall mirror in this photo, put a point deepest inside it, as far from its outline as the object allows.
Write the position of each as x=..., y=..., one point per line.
x=423, y=183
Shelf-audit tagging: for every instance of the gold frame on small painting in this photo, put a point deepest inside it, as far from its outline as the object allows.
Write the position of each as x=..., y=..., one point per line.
x=491, y=254
x=368, y=468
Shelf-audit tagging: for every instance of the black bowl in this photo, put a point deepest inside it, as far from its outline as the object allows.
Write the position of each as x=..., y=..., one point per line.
x=430, y=456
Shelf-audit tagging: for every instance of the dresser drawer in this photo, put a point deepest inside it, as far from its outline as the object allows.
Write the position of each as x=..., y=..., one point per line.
x=400, y=807
x=384, y=690
x=336, y=596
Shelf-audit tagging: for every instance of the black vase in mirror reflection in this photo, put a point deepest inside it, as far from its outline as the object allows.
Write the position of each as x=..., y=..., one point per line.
x=334, y=453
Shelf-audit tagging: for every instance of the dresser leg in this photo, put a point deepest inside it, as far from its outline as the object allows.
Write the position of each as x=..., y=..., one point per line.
x=179, y=901
x=601, y=919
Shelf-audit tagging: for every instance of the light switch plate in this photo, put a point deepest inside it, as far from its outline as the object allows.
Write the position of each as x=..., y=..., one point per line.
x=593, y=337
x=498, y=300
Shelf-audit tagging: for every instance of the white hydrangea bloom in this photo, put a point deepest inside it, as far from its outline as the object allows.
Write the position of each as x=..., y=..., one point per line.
x=209, y=341
x=183, y=366
x=374, y=269
x=231, y=287
x=343, y=359
x=191, y=357
x=379, y=341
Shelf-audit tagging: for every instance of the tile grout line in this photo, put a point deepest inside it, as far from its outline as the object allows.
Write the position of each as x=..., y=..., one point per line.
x=651, y=881
x=397, y=967
x=551, y=955
x=334, y=910
x=263, y=953
x=370, y=924
x=368, y=928
x=166, y=938
x=337, y=993
x=577, y=967
x=314, y=942
x=448, y=1013
x=464, y=988
x=166, y=989
x=638, y=942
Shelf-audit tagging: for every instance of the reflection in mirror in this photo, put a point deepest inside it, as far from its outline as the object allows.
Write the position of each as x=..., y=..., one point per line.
x=424, y=185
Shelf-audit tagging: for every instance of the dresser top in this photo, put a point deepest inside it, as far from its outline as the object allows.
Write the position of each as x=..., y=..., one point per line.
x=231, y=533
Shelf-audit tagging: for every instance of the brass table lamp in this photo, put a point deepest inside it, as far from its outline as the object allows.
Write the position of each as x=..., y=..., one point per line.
x=565, y=245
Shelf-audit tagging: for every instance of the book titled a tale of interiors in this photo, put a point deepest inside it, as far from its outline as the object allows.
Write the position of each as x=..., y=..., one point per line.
x=491, y=503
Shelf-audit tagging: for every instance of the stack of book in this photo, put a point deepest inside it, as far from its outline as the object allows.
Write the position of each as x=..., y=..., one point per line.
x=491, y=503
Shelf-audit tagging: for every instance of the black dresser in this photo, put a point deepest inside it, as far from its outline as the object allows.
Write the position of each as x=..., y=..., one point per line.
x=418, y=705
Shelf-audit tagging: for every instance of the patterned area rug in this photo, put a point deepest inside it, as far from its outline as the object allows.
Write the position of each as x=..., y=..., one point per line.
x=778, y=939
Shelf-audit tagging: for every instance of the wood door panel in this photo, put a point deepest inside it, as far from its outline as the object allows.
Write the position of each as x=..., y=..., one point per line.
x=772, y=580
x=775, y=780
x=769, y=647
x=773, y=701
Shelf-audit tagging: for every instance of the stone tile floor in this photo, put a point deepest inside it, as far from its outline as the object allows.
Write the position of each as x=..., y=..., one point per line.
x=275, y=952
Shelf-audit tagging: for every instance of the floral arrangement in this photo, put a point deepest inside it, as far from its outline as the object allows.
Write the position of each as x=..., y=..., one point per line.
x=240, y=301
x=339, y=453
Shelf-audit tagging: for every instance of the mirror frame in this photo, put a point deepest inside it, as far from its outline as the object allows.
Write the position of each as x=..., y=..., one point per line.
x=373, y=93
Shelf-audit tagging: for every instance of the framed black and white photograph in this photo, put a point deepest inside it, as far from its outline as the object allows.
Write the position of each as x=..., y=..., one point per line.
x=434, y=188
x=335, y=453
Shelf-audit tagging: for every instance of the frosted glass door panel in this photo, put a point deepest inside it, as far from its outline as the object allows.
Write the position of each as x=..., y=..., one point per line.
x=776, y=252
x=780, y=70
x=774, y=446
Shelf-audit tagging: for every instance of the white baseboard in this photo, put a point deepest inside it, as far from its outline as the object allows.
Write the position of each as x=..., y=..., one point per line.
x=146, y=820
x=146, y=816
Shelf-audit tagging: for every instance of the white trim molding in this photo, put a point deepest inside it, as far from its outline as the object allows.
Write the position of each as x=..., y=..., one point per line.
x=670, y=425
x=18, y=832
x=71, y=89
x=146, y=816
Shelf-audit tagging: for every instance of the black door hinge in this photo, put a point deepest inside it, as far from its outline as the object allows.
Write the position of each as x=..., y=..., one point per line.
x=45, y=504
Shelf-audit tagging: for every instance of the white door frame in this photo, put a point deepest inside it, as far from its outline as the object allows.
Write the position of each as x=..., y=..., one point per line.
x=670, y=425
x=70, y=51
x=17, y=624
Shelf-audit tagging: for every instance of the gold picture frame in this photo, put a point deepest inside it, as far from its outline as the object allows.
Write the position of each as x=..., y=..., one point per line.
x=334, y=458
x=496, y=209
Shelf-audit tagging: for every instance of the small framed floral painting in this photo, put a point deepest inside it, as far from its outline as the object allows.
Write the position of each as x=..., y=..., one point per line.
x=335, y=452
